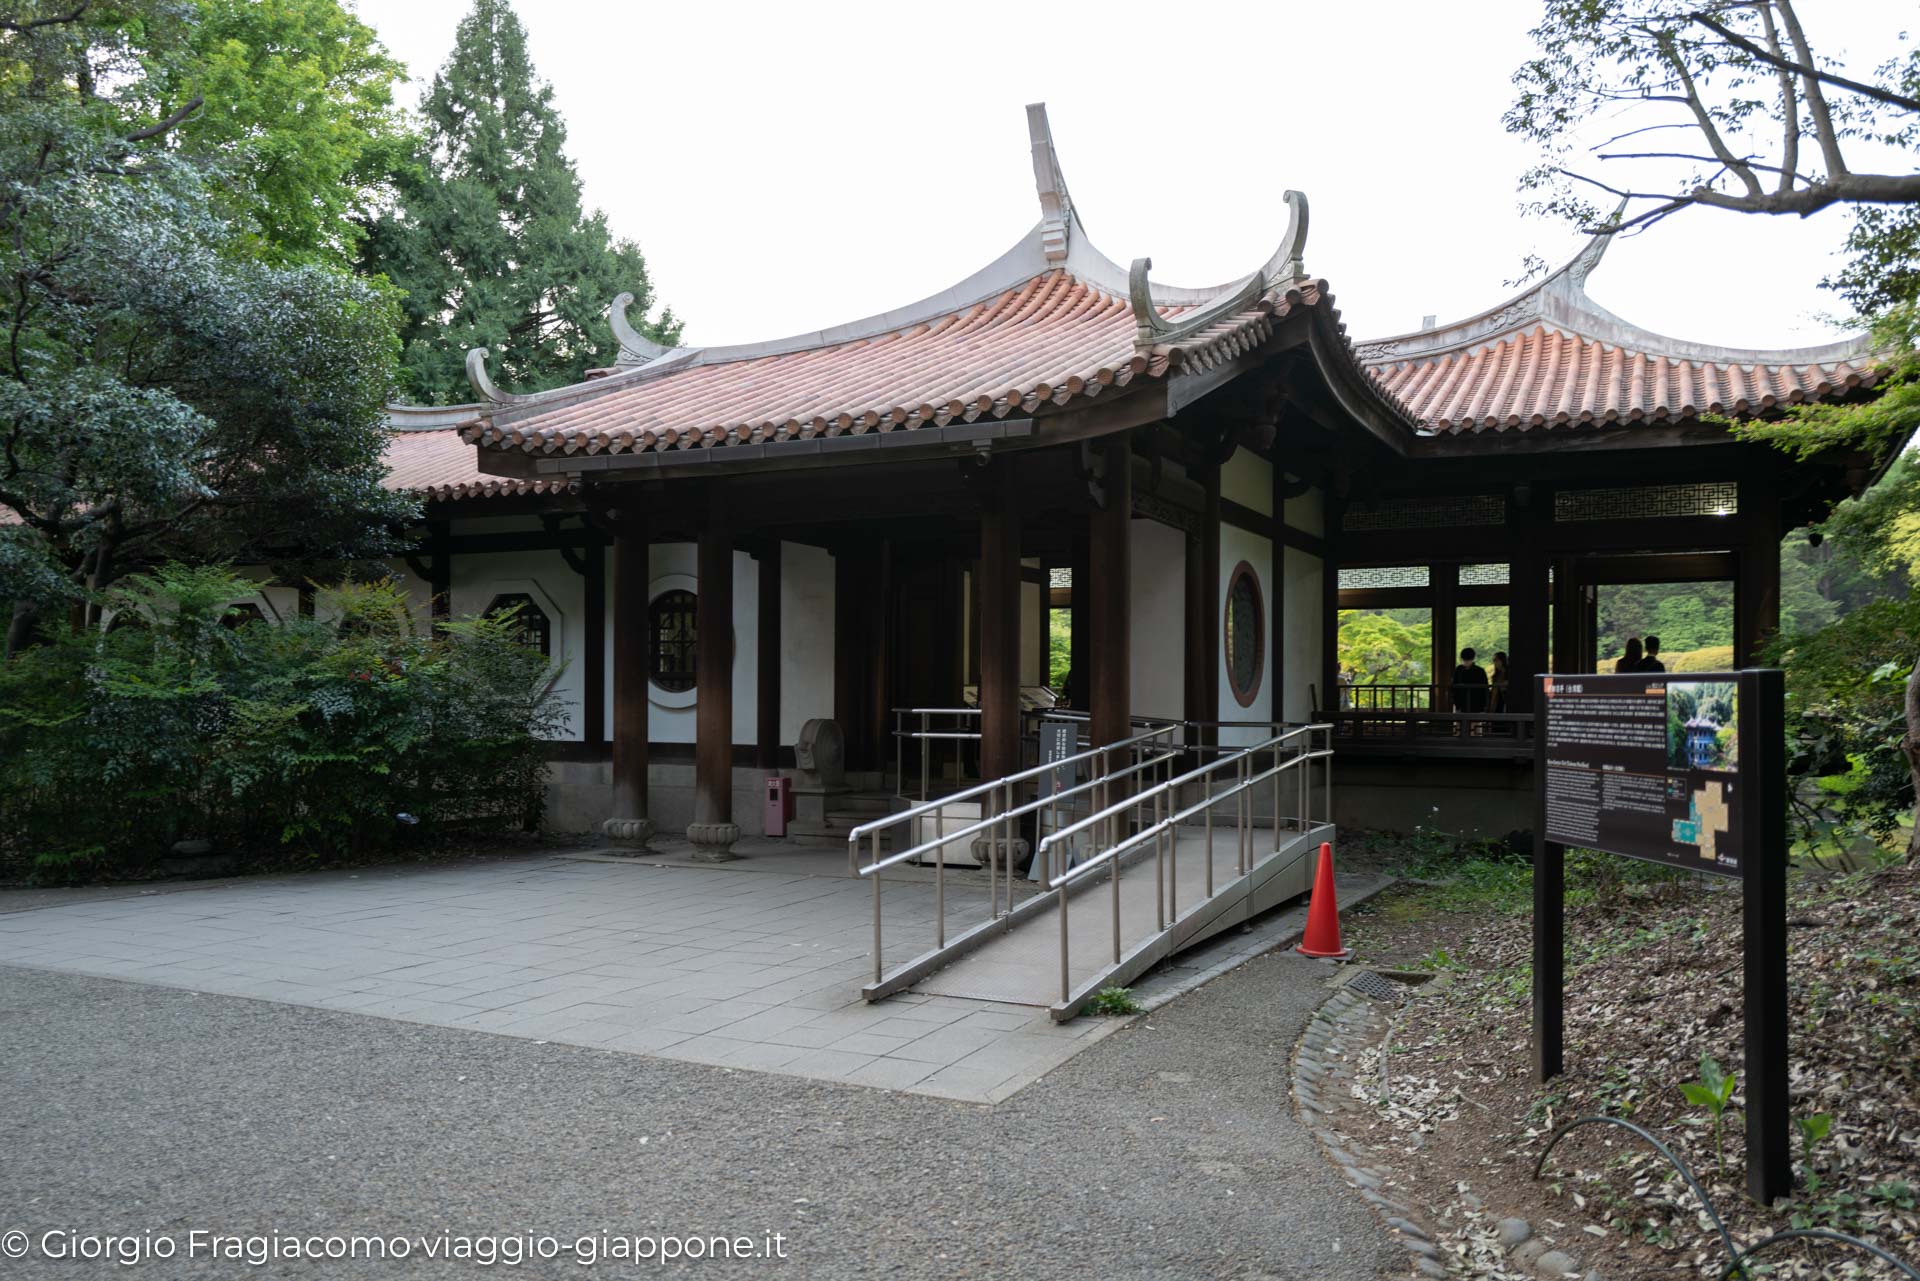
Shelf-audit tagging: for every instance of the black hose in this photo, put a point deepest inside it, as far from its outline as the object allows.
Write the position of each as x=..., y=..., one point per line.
x=1685, y=1173
x=1734, y=1256
x=1821, y=1234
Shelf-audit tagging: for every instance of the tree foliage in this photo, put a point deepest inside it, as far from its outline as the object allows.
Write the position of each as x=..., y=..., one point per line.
x=1380, y=649
x=490, y=241
x=164, y=393
x=297, y=115
x=295, y=737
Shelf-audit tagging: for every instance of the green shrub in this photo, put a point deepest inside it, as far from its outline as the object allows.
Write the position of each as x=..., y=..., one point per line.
x=315, y=738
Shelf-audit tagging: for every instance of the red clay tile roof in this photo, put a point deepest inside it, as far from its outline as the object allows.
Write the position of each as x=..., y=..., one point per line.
x=440, y=465
x=1047, y=340
x=1544, y=377
x=1552, y=357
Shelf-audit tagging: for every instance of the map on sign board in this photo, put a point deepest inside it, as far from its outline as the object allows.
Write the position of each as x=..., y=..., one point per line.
x=1646, y=765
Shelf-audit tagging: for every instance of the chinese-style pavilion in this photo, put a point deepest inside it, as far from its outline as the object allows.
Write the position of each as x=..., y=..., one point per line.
x=723, y=544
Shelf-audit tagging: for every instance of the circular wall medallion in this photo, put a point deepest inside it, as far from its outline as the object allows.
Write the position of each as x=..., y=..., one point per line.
x=1245, y=634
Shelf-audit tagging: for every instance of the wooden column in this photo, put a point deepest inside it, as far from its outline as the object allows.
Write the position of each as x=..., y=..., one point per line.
x=1277, y=673
x=879, y=619
x=713, y=829
x=1079, y=619
x=629, y=821
x=1109, y=631
x=1328, y=695
x=1045, y=629
x=1204, y=609
x=1569, y=615
x=1756, y=595
x=999, y=625
x=1444, y=581
x=593, y=650
x=767, y=690
x=850, y=586
x=1527, y=597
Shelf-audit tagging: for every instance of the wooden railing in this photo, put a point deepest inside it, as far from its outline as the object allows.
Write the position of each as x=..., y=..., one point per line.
x=1370, y=698
x=1424, y=732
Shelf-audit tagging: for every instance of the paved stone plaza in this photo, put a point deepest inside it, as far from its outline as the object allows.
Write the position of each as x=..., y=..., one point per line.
x=741, y=965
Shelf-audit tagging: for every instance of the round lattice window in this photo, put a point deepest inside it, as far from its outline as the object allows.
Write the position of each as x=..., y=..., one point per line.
x=1245, y=634
x=672, y=640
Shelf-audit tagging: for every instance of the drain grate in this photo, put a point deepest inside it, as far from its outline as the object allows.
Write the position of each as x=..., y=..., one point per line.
x=1367, y=983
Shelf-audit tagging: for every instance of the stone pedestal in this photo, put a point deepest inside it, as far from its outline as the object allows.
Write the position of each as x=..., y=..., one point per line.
x=713, y=842
x=627, y=831
x=997, y=848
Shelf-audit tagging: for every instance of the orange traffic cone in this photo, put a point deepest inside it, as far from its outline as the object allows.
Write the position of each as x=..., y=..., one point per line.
x=1323, y=914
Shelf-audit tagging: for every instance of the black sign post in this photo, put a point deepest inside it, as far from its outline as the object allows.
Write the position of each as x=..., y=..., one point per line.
x=1689, y=770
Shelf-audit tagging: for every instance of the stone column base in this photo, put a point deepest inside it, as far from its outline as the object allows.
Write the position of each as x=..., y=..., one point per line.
x=627, y=831
x=713, y=842
x=996, y=848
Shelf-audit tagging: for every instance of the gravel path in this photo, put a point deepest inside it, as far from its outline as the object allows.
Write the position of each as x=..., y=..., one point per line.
x=1169, y=1150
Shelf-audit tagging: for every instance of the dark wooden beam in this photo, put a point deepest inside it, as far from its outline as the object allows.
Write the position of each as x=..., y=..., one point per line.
x=713, y=705
x=1282, y=490
x=1079, y=624
x=1446, y=585
x=1492, y=543
x=767, y=688
x=1529, y=601
x=629, y=819
x=593, y=649
x=853, y=583
x=1110, y=567
x=999, y=625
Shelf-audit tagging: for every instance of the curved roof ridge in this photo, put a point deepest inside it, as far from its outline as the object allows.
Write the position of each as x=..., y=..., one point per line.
x=1057, y=243
x=1561, y=302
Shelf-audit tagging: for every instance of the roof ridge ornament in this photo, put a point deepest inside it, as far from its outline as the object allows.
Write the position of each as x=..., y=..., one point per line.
x=1151, y=328
x=633, y=343
x=1056, y=206
x=483, y=382
x=1289, y=260
x=1589, y=257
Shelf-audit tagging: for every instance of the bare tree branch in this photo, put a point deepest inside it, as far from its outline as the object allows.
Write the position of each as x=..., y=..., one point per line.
x=187, y=108
x=1721, y=150
x=1802, y=69
x=1789, y=106
x=18, y=26
x=1816, y=100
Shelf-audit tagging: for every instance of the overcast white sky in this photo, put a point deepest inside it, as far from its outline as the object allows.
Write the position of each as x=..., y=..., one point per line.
x=790, y=166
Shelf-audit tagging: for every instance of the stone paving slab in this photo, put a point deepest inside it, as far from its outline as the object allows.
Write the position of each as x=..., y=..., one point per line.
x=753, y=968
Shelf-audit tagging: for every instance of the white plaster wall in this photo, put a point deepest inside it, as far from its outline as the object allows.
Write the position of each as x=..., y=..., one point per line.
x=1237, y=545
x=280, y=604
x=1247, y=479
x=546, y=576
x=1159, y=633
x=1304, y=637
x=1308, y=513
x=806, y=638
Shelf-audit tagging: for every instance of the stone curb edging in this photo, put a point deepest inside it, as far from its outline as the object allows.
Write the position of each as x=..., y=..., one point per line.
x=1324, y=1062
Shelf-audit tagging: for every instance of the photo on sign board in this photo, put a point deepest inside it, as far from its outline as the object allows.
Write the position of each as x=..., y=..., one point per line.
x=1703, y=719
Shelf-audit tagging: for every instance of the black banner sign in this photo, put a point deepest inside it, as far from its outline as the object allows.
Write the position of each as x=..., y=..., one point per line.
x=1646, y=765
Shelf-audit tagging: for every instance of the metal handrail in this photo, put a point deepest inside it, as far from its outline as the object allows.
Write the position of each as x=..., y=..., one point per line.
x=1168, y=824
x=1173, y=784
x=1003, y=817
x=927, y=807
x=1039, y=802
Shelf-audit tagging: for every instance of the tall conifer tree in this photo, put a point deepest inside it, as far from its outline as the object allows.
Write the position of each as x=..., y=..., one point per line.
x=490, y=241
